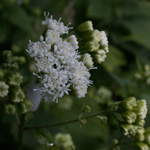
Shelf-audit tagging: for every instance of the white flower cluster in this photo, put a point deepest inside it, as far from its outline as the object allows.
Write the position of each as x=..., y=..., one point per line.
x=57, y=60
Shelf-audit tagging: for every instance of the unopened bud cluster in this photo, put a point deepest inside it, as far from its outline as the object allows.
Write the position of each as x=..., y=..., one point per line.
x=11, y=93
x=64, y=141
x=133, y=113
x=92, y=42
x=143, y=139
x=144, y=75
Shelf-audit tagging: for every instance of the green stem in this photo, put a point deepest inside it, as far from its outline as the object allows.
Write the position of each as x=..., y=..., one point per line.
x=67, y=121
x=20, y=133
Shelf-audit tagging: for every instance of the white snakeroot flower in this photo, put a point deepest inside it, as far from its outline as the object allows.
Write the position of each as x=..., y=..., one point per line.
x=57, y=61
x=55, y=25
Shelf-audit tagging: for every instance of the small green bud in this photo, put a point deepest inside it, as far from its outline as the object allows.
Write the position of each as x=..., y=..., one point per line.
x=10, y=109
x=17, y=95
x=83, y=121
x=15, y=78
x=90, y=46
x=26, y=106
x=140, y=137
x=142, y=146
x=86, y=109
x=141, y=109
x=99, y=56
x=85, y=27
x=103, y=119
x=104, y=92
x=140, y=122
x=129, y=117
x=138, y=76
x=87, y=59
x=95, y=35
x=6, y=54
x=3, y=89
x=128, y=129
x=127, y=104
x=19, y=59
x=14, y=66
x=147, y=136
x=64, y=141
x=125, y=128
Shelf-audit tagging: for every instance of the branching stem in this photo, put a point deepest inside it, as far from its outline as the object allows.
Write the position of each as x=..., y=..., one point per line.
x=68, y=121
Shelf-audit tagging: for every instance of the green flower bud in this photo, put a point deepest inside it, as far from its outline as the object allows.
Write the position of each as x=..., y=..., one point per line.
x=15, y=78
x=17, y=95
x=148, y=80
x=10, y=109
x=3, y=89
x=140, y=122
x=6, y=54
x=138, y=76
x=104, y=92
x=64, y=141
x=142, y=146
x=141, y=109
x=127, y=104
x=99, y=56
x=26, y=106
x=14, y=66
x=129, y=117
x=83, y=121
x=85, y=27
x=90, y=46
x=20, y=59
x=140, y=135
x=147, y=136
x=103, y=119
x=95, y=35
x=87, y=59
x=128, y=129
x=86, y=109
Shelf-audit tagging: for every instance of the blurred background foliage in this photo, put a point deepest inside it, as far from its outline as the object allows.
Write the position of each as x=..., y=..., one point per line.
x=123, y=74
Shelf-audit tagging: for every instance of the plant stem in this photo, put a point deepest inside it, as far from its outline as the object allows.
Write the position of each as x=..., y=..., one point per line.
x=20, y=133
x=67, y=121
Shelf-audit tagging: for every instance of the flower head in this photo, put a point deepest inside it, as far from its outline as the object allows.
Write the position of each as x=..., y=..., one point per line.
x=57, y=61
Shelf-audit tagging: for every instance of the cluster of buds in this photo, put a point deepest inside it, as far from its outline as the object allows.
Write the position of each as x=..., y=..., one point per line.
x=60, y=68
x=144, y=75
x=64, y=141
x=11, y=93
x=143, y=139
x=133, y=113
x=92, y=43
